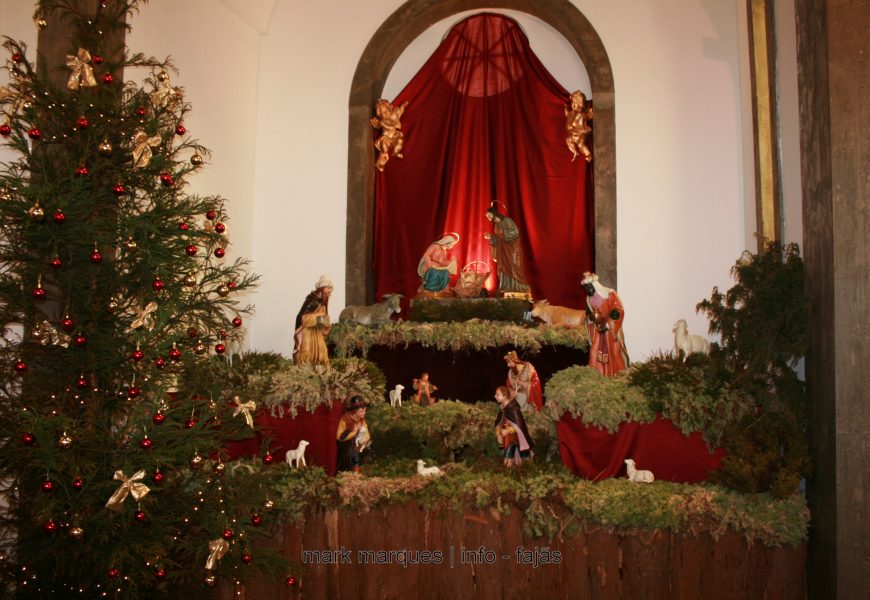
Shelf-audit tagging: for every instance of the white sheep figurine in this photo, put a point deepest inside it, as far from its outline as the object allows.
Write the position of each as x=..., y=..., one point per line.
x=637, y=475
x=376, y=314
x=396, y=395
x=688, y=344
x=296, y=457
x=425, y=471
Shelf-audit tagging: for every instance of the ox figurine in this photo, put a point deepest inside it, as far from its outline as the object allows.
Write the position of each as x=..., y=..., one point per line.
x=376, y=314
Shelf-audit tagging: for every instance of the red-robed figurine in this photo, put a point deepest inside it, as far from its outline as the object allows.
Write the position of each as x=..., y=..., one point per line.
x=607, y=352
x=523, y=382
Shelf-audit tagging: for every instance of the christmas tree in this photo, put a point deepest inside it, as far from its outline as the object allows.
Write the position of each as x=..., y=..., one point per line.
x=118, y=311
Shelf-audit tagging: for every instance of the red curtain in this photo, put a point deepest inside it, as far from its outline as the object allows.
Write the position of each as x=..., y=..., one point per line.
x=485, y=122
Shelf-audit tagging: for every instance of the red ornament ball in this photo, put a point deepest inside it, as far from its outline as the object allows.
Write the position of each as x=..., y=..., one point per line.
x=119, y=189
x=96, y=257
x=247, y=558
x=16, y=57
x=80, y=340
x=180, y=129
x=59, y=217
x=113, y=573
x=5, y=130
x=291, y=581
x=175, y=354
x=97, y=59
x=220, y=348
x=82, y=170
x=108, y=79
x=47, y=486
x=159, y=362
x=21, y=367
x=228, y=534
x=220, y=227
x=56, y=263
x=39, y=294
x=192, y=332
x=232, y=285
x=50, y=526
x=160, y=573
x=256, y=520
x=222, y=334
x=219, y=252
x=140, y=111
x=158, y=477
x=237, y=322
x=140, y=516
x=183, y=226
x=211, y=215
x=67, y=324
x=137, y=355
x=28, y=439
x=157, y=285
x=82, y=123
x=190, y=250
x=82, y=382
x=190, y=423
x=145, y=443
x=159, y=418
x=78, y=484
x=166, y=179
x=133, y=391
x=34, y=133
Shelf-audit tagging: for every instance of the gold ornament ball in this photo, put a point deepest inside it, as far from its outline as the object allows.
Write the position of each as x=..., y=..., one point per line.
x=28, y=104
x=130, y=245
x=112, y=306
x=163, y=76
x=76, y=532
x=105, y=149
x=36, y=212
x=223, y=290
x=190, y=280
x=196, y=461
x=5, y=195
x=199, y=348
x=219, y=468
x=65, y=441
x=196, y=160
x=41, y=23
x=269, y=504
x=209, y=580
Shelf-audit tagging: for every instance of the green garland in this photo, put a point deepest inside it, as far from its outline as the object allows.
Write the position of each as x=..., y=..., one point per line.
x=349, y=339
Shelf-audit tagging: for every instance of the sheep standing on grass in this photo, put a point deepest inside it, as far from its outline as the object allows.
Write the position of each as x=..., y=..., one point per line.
x=396, y=395
x=688, y=344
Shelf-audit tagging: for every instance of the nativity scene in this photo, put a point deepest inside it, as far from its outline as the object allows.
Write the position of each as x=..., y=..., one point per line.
x=457, y=413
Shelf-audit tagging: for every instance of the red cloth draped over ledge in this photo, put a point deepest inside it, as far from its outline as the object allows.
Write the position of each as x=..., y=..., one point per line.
x=318, y=428
x=593, y=453
x=485, y=122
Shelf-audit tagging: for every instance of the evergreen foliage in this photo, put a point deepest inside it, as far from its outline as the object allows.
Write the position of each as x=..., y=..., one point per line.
x=117, y=310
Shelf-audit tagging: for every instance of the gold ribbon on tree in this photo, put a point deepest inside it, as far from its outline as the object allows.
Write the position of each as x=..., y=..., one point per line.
x=165, y=95
x=82, y=73
x=45, y=334
x=128, y=487
x=143, y=317
x=142, y=145
x=245, y=408
x=217, y=549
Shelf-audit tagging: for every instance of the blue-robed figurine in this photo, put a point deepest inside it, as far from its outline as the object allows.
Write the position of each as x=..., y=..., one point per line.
x=435, y=267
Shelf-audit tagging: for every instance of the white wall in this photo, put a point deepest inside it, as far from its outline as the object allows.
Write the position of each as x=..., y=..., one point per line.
x=273, y=108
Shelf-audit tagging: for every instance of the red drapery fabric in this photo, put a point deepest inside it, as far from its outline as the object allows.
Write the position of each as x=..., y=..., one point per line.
x=485, y=122
x=660, y=447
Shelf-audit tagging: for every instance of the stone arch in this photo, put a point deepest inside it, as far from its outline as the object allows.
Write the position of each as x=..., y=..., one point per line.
x=387, y=44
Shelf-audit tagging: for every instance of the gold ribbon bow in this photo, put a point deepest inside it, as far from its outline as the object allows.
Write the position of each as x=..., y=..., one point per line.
x=142, y=145
x=46, y=334
x=217, y=549
x=129, y=486
x=143, y=317
x=82, y=73
x=164, y=95
x=245, y=408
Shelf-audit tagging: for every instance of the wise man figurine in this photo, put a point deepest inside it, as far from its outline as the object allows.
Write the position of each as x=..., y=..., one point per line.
x=604, y=314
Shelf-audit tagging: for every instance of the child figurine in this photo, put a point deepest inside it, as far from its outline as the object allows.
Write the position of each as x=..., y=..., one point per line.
x=510, y=429
x=425, y=395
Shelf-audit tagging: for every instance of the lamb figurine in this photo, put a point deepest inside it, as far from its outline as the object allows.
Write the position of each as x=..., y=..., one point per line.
x=425, y=471
x=296, y=457
x=396, y=395
x=688, y=344
x=637, y=475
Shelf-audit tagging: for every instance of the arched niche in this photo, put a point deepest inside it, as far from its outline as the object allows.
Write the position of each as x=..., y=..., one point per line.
x=387, y=44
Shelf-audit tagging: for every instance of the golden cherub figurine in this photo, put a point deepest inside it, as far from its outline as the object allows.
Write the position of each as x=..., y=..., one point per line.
x=391, y=138
x=577, y=123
